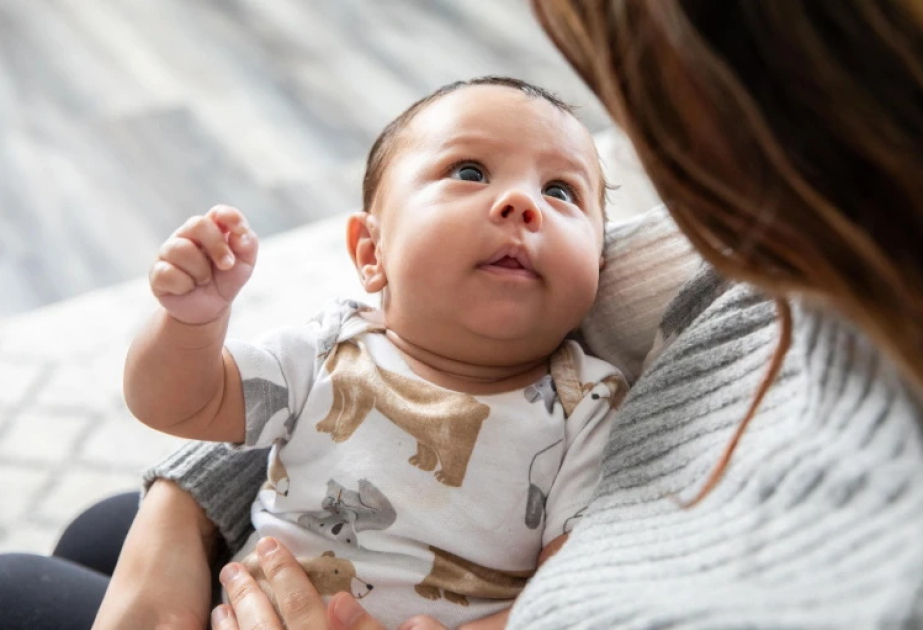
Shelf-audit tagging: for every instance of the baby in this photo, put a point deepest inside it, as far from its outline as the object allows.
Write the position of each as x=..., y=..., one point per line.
x=429, y=455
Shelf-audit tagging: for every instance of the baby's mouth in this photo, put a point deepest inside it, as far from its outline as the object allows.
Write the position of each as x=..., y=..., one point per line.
x=510, y=261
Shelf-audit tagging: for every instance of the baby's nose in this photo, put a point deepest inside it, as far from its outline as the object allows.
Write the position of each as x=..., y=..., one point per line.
x=527, y=213
x=517, y=205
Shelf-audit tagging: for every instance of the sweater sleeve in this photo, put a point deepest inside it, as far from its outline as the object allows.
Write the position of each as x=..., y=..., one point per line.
x=221, y=479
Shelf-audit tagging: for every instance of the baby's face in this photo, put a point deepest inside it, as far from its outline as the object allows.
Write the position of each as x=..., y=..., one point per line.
x=489, y=221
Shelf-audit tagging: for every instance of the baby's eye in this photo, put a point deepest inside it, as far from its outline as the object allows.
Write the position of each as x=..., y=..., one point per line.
x=468, y=172
x=562, y=191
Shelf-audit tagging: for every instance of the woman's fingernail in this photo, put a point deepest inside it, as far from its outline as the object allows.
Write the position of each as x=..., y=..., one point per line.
x=347, y=611
x=229, y=573
x=266, y=546
x=228, y=261
x=219, y=614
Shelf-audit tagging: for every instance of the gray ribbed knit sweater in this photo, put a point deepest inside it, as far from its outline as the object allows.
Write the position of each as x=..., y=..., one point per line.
x=817, y=523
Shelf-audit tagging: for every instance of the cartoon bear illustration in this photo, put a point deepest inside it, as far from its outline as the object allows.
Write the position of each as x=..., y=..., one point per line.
x=351, y=512
x=535, y=503
x=571, y=391
x=445, y=423
x=276, y=472
x=330, y=323
x=613, y=387
x=566, y=380
x=264, y=399
x=544, y=390
x=328, y=573
x=457, y=579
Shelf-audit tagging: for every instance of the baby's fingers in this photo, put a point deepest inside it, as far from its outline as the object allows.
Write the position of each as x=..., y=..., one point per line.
x=240, y=238
x=244, y=245
x=229, y=219
x=167, y=279
x=208, y=235
x=187, y=257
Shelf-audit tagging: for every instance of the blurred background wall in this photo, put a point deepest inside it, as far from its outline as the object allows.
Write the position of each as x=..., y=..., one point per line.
x=120, y=118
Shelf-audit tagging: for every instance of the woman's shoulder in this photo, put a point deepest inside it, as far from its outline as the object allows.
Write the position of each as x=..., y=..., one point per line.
x=825, y=479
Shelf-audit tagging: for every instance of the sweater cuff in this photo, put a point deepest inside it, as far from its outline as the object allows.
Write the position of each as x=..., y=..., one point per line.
x=222, y=480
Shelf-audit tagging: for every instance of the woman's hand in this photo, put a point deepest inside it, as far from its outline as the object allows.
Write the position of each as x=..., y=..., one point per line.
x=300, y=606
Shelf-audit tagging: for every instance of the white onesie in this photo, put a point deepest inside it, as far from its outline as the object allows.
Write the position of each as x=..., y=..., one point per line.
x=416, y=498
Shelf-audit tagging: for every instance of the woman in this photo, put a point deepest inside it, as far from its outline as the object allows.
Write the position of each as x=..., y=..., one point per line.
x=767, y=469
x=786, y=139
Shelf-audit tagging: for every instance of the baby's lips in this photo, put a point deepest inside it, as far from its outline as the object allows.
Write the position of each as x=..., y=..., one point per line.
x=508, y=254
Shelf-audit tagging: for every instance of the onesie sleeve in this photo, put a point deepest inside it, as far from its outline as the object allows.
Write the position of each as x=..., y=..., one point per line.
x=277, y=372
x=586, y=433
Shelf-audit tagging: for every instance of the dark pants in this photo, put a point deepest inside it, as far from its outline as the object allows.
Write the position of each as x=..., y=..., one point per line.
x=64, y=591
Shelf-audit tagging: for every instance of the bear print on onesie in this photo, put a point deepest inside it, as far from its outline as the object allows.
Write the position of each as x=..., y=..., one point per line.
x=413, y=497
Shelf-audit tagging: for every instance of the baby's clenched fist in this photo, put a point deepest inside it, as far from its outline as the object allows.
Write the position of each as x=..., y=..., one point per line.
x=204, y=264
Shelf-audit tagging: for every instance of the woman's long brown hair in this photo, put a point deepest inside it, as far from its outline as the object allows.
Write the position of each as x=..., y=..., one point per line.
x=786, y=139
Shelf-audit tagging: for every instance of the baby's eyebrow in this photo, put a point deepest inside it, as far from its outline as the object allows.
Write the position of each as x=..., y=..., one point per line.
x=578, y=170
x=467, y=140
x=569, y=161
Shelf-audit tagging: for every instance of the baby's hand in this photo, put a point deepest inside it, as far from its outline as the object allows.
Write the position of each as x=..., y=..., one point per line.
x=204, y=264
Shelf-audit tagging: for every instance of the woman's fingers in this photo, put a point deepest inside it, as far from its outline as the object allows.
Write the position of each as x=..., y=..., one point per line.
x=223, y=618
x=299, y=602
x=252, y=609
x=425, y=622
x=345, y=613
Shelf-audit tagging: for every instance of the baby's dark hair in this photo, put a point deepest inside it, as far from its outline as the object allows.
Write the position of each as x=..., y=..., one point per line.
x=384, y=146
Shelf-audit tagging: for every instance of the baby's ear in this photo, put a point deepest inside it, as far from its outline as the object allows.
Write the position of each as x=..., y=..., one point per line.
x=362, y=234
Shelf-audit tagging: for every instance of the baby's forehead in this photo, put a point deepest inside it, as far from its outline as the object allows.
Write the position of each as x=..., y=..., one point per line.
x=496, y=109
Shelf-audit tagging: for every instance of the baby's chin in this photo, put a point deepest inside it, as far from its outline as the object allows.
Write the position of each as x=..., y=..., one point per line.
x=487, y=330
x=532, y=337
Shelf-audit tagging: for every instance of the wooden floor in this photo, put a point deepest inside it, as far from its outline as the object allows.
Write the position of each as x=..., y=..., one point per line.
x=120, y=118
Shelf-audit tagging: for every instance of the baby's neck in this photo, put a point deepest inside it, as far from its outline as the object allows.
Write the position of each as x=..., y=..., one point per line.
x=467, y=377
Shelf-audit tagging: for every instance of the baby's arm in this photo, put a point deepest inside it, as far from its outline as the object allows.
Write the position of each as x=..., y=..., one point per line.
x=178, y=377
